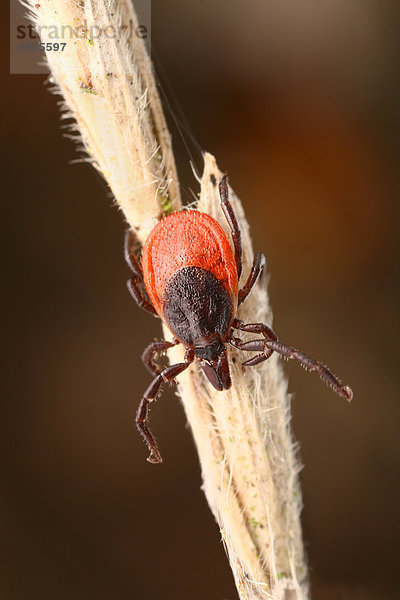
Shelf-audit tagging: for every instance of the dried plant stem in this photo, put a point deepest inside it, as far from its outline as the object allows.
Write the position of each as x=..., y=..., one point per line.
x=108, y=88
x=243, y=436
x=247, y=456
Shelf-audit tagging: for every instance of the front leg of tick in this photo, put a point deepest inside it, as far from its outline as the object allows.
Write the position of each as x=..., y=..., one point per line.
x=156, y=347
x=257, y=345
x=150, y=394
x=270, y=344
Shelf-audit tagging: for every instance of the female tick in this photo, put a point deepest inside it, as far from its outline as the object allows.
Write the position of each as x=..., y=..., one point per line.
x=190, y=279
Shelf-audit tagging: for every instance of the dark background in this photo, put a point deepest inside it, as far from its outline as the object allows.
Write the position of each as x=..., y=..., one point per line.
x=299, y=103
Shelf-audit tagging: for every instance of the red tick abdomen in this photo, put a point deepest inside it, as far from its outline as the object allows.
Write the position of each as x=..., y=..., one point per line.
x=187, y=239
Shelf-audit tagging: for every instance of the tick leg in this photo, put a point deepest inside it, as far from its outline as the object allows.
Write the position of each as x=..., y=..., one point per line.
x=130, y=257
x=135, y=284
x=312, y=365
x=152, y=349
x=135, y=288
x=266, y=331
x=270, y=344
x=150, y=394
x=232, y=222
x=254, y=345
x=251, y=346
x=256, y=271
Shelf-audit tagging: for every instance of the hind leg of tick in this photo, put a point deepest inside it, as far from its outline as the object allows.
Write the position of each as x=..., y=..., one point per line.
x=135, y=283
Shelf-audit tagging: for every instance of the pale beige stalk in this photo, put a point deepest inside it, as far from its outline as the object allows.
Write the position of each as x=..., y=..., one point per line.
x=105, y=77
x=246, y=451
x=243, y=436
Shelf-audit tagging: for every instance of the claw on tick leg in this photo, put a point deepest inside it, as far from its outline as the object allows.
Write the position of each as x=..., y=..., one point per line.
x=154, y=458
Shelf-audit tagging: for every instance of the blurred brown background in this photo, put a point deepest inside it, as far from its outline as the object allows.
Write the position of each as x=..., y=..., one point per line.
x=299, y=101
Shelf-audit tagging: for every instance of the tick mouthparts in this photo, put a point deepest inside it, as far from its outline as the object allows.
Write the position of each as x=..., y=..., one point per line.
x=210, y=371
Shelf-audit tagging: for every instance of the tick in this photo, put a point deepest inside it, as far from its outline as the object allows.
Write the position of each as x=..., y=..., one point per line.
x=189, y=278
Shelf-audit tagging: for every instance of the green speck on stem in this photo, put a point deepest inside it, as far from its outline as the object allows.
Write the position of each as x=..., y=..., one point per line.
x=254, y=522
x=86, y=88
x=166, y=204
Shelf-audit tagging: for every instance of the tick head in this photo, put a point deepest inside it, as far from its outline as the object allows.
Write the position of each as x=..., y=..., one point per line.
x=213, y=360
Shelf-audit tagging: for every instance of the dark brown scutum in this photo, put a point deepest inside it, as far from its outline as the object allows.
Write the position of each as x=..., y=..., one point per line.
x=196, y=306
